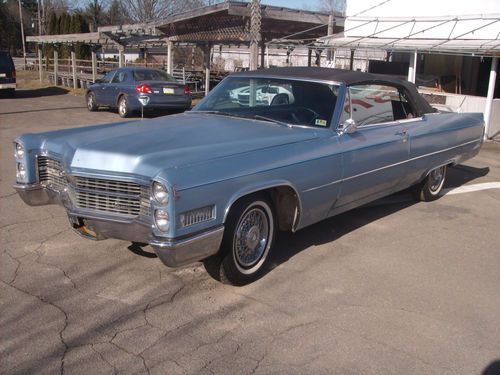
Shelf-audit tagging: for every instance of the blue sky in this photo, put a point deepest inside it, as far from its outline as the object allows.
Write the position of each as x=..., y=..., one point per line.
x=309, y=4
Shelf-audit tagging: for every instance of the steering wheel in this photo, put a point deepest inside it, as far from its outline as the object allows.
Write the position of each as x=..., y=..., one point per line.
x=309, y=115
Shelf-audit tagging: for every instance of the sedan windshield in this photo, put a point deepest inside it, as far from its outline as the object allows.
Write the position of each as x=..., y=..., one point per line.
x=285, y=101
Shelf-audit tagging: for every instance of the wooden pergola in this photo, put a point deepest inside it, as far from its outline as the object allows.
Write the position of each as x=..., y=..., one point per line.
x=227, y=23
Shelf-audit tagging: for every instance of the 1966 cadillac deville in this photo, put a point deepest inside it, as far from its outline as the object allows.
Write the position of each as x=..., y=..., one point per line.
x=217, y=183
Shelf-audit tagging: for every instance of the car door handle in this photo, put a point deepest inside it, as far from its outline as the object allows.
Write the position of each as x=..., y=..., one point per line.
x=403, y=133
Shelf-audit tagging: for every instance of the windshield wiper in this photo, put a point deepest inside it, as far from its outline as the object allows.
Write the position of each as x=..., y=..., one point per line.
x=259, y=117
x=247, y=116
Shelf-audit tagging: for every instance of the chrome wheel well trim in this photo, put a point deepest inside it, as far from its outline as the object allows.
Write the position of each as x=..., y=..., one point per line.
x=261, y=188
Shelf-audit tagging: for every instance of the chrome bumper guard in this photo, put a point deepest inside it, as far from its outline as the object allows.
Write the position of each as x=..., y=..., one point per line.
x=175, y=253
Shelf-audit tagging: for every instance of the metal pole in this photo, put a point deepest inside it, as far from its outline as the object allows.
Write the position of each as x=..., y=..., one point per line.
x=489, y=97
x=267, y=57
x=120, y=57
x=94, y=66
x=207, y=68
x=73, y=67
x=56, y=65
x=412, y=69
x=40, y=64
x=22, y=32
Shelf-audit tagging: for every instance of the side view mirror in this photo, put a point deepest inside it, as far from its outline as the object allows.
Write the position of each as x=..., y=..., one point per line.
x=349, y=126
x=98, y=81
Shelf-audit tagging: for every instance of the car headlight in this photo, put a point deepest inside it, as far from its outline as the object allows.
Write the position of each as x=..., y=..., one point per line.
x=21, y=171
x=162, y=220
x=18, y=150
x=160, y=193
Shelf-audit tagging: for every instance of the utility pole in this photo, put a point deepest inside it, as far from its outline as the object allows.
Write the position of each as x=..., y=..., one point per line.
x=39, y=18
x=22, y=32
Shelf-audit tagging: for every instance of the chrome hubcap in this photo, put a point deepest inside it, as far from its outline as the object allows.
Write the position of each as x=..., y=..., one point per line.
x=123, y=106
x=252, y=237
x=436, y=178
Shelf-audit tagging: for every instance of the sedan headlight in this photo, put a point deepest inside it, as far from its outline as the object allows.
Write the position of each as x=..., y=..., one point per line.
x=162, y=220
x=160, y=193
x=18, y=150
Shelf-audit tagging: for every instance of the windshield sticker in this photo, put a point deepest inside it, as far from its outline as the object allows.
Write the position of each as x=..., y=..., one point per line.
x=320, y=122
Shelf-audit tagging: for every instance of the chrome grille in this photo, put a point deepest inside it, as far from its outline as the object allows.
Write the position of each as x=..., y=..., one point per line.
x=108, y=203
x=51, y=174
x=107, y=186
x=102, y=195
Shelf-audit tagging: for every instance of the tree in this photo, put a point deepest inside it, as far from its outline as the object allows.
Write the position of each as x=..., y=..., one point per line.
x=332, y=6
x=148, y=10
x=95, y=14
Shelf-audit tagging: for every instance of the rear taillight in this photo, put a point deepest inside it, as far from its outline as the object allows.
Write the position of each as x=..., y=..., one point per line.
x=187, y=90
x=144, y=89
x=14, y=73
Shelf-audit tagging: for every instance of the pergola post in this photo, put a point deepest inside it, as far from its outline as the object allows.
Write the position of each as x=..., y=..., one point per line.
x=351, y=61
x=170, y=57
x=40, y=64
x=94, y=65
x=309, y=56
x=207, y=68
x=267, y=57
x=56, y=65
x=489, y=97
x=329, y=52
x=121, y=56
x=412, y=69
x=73, y=67
x=255, y=37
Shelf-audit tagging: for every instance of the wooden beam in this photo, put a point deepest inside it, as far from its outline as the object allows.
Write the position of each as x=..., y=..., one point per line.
x=94, y=66
x=65, y=38
x=56, y=66
x=170, y=57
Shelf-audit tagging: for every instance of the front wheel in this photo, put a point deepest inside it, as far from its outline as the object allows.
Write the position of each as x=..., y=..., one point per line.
x=248, y=239
x=432, y=185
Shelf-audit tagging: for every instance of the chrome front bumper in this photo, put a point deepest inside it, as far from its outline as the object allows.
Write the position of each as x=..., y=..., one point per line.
x=4, y=86
x=172, y=252
x=180, y=252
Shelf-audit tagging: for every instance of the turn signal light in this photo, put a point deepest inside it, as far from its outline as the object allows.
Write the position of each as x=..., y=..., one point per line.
x=14, y=73
x=187, y=90
x=144, y=89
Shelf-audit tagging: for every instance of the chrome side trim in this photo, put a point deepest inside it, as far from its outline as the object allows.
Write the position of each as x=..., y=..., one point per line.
x=388, y=166
x=175, y=253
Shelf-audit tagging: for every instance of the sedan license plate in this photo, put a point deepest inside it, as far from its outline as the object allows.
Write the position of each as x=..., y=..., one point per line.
x=168, y=90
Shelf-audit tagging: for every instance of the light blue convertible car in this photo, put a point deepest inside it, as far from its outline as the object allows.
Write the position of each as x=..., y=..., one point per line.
x=217, y=183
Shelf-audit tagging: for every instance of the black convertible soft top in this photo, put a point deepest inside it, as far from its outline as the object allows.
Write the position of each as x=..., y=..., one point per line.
x=347, y=77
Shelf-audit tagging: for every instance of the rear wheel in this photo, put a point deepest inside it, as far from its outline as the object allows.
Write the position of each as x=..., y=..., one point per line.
x=430, y=188
x=248, y=238
x=91, y=102
x=123, y=108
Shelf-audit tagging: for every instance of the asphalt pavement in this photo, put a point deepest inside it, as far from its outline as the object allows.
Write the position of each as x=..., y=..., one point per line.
x=397, y=287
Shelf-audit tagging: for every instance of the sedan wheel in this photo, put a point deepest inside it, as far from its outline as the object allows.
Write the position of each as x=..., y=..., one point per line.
x=430, y=188
x=123, y=109
x=248, y=238
x=91, y=103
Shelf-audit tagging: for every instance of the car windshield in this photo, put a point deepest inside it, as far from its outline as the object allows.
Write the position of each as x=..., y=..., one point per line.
x=152, y=75
x=286, y=101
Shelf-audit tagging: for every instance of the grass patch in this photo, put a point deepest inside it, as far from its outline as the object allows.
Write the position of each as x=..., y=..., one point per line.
x=30, y=80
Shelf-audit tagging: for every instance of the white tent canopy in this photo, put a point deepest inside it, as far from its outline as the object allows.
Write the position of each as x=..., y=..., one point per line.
x=465, y=35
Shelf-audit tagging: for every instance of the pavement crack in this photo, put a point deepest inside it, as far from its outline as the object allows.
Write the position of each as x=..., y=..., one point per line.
x=8, y=195
x=60, y=309
x=115, y=370
x=17, y=267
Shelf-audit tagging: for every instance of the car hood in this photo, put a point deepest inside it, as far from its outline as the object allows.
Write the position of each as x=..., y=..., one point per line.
x=148, y=146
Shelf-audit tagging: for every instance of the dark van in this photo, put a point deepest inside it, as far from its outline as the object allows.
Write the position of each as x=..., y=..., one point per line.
x=7, y=74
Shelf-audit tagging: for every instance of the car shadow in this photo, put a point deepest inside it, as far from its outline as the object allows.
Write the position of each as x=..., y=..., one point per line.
x=290, y=244
x=36, y=93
